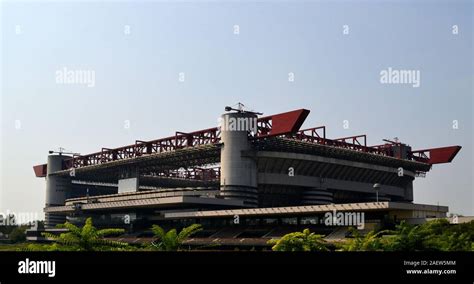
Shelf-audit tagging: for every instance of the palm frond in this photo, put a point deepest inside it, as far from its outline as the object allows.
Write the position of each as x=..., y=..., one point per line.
x=158, y=231
x=188, y=232
x=50, y=236
x=108, y=232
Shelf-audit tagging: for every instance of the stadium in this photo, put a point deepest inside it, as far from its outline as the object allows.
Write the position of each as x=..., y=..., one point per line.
x=248, y=180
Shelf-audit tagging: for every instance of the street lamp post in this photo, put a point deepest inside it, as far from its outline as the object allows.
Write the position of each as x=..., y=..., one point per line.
x=377, y=187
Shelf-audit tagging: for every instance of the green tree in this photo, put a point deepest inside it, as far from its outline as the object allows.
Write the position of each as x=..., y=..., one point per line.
x=441, y=235
x=299, y=241
x=436, y=235
x=18, y=234
x=87, y=238
x=372, y=241
x=407, y=237
x=171, y=240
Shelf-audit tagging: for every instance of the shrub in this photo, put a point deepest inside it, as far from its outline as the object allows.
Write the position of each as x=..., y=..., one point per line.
x=299, y=241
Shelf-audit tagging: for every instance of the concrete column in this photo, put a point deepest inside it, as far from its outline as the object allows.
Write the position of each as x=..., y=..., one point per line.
x=57, y=189
x=238, y=172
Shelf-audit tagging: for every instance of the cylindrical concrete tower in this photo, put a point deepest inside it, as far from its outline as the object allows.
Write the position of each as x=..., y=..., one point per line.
x=317, y=196
x=57, y=189
x=238, y=170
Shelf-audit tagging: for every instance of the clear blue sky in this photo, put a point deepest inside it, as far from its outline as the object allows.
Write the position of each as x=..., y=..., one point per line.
x=136, y=77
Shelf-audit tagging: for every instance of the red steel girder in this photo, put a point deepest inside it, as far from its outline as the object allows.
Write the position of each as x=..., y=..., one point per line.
x=354, y=140
x=436, y=155
x=274, y=125
x=284, y=125
x=314, y=134
x=281, y=124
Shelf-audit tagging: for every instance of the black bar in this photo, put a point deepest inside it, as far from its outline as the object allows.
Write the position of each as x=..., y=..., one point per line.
x=135, y=266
